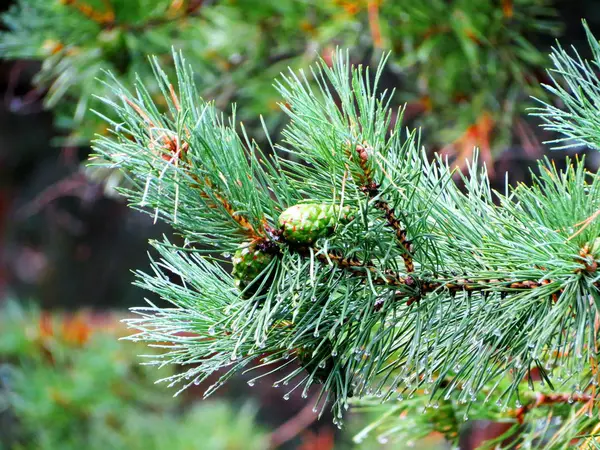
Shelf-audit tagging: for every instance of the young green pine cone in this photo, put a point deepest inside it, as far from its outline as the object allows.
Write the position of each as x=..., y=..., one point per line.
x=248, y=262
x=307, y=222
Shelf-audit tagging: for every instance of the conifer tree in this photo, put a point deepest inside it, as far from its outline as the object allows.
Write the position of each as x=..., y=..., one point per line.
x=343, y=258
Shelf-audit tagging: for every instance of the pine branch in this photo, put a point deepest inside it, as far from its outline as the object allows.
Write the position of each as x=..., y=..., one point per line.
x=190, y=11
x=491, y=287
x=550, y=399
x=576, y=84
x=370, y=187
x=104, y=18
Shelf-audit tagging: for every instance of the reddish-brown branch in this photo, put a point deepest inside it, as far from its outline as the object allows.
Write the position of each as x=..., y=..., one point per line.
x=294, y=426
x=374, y=25
x=417, y=289
x=221, y=201
x=361, y=268
x=102, y=17
x=370, y=187
x=550, y=399
x=174, y=150
x=400, y=232
x=425, y=287
x=190, y=11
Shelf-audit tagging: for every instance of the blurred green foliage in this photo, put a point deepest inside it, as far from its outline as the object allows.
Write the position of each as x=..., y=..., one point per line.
x=66, y=382
x=465, y=68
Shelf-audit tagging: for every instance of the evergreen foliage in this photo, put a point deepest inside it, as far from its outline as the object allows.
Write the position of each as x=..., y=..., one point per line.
x=67, y=383
x=465, y=67
x=436, y=290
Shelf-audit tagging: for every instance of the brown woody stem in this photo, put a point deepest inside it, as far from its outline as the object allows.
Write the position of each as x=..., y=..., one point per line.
x=371, y=188
x=175, y=151
x=388, y=277
x=400, y=232
x=103, y=18
x=240, y=219
x=191, y=11
x=419, y=288
x=425, y=287
x=550, y=399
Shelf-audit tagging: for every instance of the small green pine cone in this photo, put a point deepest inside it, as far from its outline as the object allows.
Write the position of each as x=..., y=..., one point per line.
x=248, y=262
x=305, y=223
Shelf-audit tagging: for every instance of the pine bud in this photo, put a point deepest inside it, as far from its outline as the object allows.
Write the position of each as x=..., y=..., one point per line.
x=307, y=222
x=249, y=262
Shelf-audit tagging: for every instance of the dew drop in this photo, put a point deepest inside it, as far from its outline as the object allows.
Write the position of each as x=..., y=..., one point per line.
x=382, y=439
x=211, y=331
x=286, y=397
x=251, y=383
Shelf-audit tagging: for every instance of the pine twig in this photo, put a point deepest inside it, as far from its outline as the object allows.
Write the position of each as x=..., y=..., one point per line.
x=425, y=287
x=174, y=151
x=549, y=399
x=222, y=201
x=371, y=188
x=389, y=277
x=192, y=10
x=374, y=25
x=400, y=232
x=290, y=429
x=106, y=18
